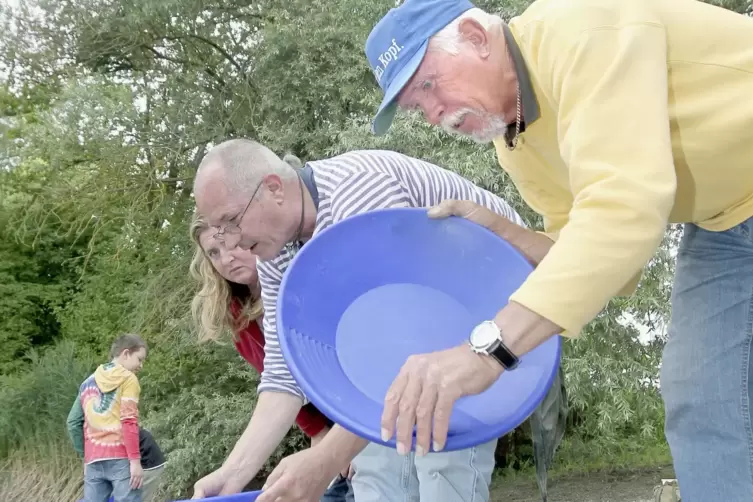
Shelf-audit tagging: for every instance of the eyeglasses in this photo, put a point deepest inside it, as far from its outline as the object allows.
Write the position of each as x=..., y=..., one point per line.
x=235, y=228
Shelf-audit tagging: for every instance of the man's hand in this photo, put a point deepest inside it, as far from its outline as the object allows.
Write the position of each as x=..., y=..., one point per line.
x=315, y=440
x=301, y=477
x=219, y=482
x=533, y=245
x=426, y=389
x=137, y=474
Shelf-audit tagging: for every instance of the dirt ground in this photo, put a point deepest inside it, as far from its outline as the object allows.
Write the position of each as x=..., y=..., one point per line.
x=637, y=486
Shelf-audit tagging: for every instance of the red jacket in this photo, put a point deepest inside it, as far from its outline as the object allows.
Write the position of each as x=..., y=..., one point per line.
x=250, y=345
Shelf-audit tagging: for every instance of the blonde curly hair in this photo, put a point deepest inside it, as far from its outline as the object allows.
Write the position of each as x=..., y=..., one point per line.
x=210, y=307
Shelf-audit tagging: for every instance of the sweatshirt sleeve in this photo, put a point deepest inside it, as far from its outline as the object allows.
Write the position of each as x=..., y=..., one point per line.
x=552, y=227
x=613, y=126
x=129, y=416
x=75, y=425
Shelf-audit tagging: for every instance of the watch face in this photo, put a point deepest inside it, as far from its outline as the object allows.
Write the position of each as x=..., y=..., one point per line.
x=484, y=335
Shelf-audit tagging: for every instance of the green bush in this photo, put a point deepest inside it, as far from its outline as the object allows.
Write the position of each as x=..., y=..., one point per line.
x=197, y=400
x=34, y=405
x=199, y=428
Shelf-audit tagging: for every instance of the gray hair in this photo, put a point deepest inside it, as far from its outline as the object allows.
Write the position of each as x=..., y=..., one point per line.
x=245, y=162
x=449, y=40
x=292, y=161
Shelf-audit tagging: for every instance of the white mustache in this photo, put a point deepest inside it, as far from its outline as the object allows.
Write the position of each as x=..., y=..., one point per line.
x=494, y=126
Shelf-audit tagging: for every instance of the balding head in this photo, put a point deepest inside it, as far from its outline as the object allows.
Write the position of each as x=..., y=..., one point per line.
x=240, y=164
x=240, y=188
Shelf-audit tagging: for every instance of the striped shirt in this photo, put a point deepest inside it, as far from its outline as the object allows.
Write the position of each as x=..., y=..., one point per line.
x=353, y=183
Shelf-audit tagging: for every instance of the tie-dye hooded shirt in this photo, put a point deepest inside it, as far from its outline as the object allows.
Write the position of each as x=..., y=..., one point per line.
x=110, y=399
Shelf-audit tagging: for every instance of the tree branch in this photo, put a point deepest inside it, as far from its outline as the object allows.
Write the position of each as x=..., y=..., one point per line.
x=159, y=55
x=212, y=44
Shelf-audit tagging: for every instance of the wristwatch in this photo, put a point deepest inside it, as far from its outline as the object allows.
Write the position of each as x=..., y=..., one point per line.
x=486, y=339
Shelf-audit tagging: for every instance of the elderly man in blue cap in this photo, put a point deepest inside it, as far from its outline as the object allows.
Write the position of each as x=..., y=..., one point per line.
x=613, y=118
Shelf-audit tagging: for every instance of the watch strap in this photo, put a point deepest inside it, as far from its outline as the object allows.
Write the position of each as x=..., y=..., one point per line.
x=504, y=356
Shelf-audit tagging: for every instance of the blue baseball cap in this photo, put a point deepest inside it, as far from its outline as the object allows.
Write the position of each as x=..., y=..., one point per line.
x=397, y=45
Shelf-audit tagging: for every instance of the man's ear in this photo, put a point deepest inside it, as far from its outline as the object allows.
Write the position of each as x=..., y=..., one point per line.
x=476, y=35
x=274, y=184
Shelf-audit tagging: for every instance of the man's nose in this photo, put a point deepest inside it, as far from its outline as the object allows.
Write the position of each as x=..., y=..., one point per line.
x=434, y=115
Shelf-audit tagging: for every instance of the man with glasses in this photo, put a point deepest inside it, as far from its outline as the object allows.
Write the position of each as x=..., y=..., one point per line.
x=261, y=204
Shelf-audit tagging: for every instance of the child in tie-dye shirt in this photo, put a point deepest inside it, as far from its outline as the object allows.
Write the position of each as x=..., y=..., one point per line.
x=109, y=401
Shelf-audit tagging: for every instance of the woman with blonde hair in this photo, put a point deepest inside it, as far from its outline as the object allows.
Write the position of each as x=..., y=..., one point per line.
x=229, y=299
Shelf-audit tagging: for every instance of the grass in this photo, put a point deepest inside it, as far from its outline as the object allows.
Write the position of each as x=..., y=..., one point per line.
x=47, y=473
x=575, y=458
x=37, y=462
x=627, y=470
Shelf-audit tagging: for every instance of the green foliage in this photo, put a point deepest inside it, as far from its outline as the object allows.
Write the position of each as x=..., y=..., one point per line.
x=37, y=271
x=34, y=404
x=200, y=425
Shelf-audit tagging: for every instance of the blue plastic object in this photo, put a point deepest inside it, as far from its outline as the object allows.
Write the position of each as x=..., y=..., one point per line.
x=238, y=497
x=371, y=290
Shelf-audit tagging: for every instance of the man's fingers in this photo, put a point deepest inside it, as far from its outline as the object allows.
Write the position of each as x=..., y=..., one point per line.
x=442, y=412
x=276, y=486
x=275, y=475
x=407, y=415
x=391, y=405
x=272, y=491
x=470, y=211
x=198, y=493
x=449, y=207
x=424, y=414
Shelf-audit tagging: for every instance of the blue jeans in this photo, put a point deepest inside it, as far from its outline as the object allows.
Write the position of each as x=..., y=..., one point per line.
x=109, y=477
x=340, y=491
x=707, y=369
x=381, y=475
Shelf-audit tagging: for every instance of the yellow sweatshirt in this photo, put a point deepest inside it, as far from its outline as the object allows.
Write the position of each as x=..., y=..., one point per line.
x=646, y=117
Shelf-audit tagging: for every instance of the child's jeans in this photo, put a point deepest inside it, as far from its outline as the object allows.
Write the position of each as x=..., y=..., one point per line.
x=106, y=478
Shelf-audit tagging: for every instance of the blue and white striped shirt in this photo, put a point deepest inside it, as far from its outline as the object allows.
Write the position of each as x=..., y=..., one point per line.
x=354, y=183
